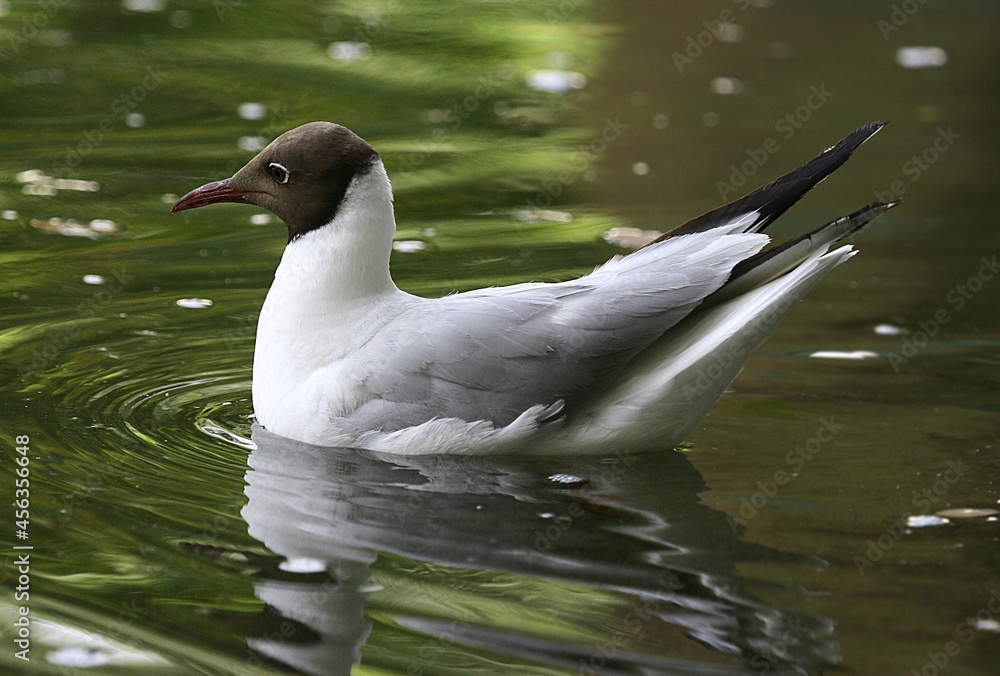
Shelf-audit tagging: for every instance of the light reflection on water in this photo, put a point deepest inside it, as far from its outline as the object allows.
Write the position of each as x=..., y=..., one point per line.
x=167, y=532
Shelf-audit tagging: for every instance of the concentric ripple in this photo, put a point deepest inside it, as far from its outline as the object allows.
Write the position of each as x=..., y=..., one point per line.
x=157, y=387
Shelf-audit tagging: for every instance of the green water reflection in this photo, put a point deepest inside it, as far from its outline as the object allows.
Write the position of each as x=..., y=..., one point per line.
x=516, y=134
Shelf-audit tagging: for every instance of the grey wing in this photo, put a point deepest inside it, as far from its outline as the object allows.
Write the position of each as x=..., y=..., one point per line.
x=492, y=354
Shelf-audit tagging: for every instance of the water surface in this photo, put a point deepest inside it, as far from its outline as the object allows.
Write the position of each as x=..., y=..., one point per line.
x=814, y=522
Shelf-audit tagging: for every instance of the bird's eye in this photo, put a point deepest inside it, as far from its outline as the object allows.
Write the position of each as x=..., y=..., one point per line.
x=278, y=172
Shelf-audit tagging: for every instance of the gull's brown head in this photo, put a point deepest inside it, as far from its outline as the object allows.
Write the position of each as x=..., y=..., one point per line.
x=301, y=177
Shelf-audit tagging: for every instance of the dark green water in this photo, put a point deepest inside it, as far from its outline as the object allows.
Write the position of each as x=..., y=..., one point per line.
x=800, y=531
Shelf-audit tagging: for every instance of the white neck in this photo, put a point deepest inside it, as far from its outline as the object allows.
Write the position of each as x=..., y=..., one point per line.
x=327, y=291
x=345, y=261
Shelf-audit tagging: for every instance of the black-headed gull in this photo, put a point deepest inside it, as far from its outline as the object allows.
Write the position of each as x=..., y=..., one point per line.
x=632, y=355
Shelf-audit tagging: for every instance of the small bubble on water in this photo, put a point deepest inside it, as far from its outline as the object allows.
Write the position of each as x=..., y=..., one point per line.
x=252, y=110
x=726, y=86
x=252, y=144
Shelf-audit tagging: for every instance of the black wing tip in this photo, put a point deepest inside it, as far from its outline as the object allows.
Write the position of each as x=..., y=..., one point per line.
x=773, y=199
x=862, y=217
x=852, y=141
x=877, y=207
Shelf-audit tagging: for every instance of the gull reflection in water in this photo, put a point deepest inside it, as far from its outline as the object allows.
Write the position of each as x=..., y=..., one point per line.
x=589, y=565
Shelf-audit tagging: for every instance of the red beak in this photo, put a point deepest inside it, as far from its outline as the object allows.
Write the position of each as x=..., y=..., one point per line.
x=210, y=193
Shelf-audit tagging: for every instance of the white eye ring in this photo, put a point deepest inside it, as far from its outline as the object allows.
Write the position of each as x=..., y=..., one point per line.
x=278, y=172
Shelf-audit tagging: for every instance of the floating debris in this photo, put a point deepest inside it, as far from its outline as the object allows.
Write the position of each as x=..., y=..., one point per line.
x=169, y=198
x=135, y=120
x=348, y=51
x=661, y=120
x=535, y=215
x=260, y=219
x=921, y=57
x=987, y=624
x=97, y=228
x=640, y=168
x=44, y=189
x=9, y=214
x=409, y=246
x=568, y=480
x=195, y=303
x=252, y=111
x=888, y=330
x=967, y=512
x=30, y=176
x=924, y=520
x=103, y=226
x=555, y=80
x=93, y=279
x=630, y=238
x=38, y=183
x=78, y=657
x=844, y=354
